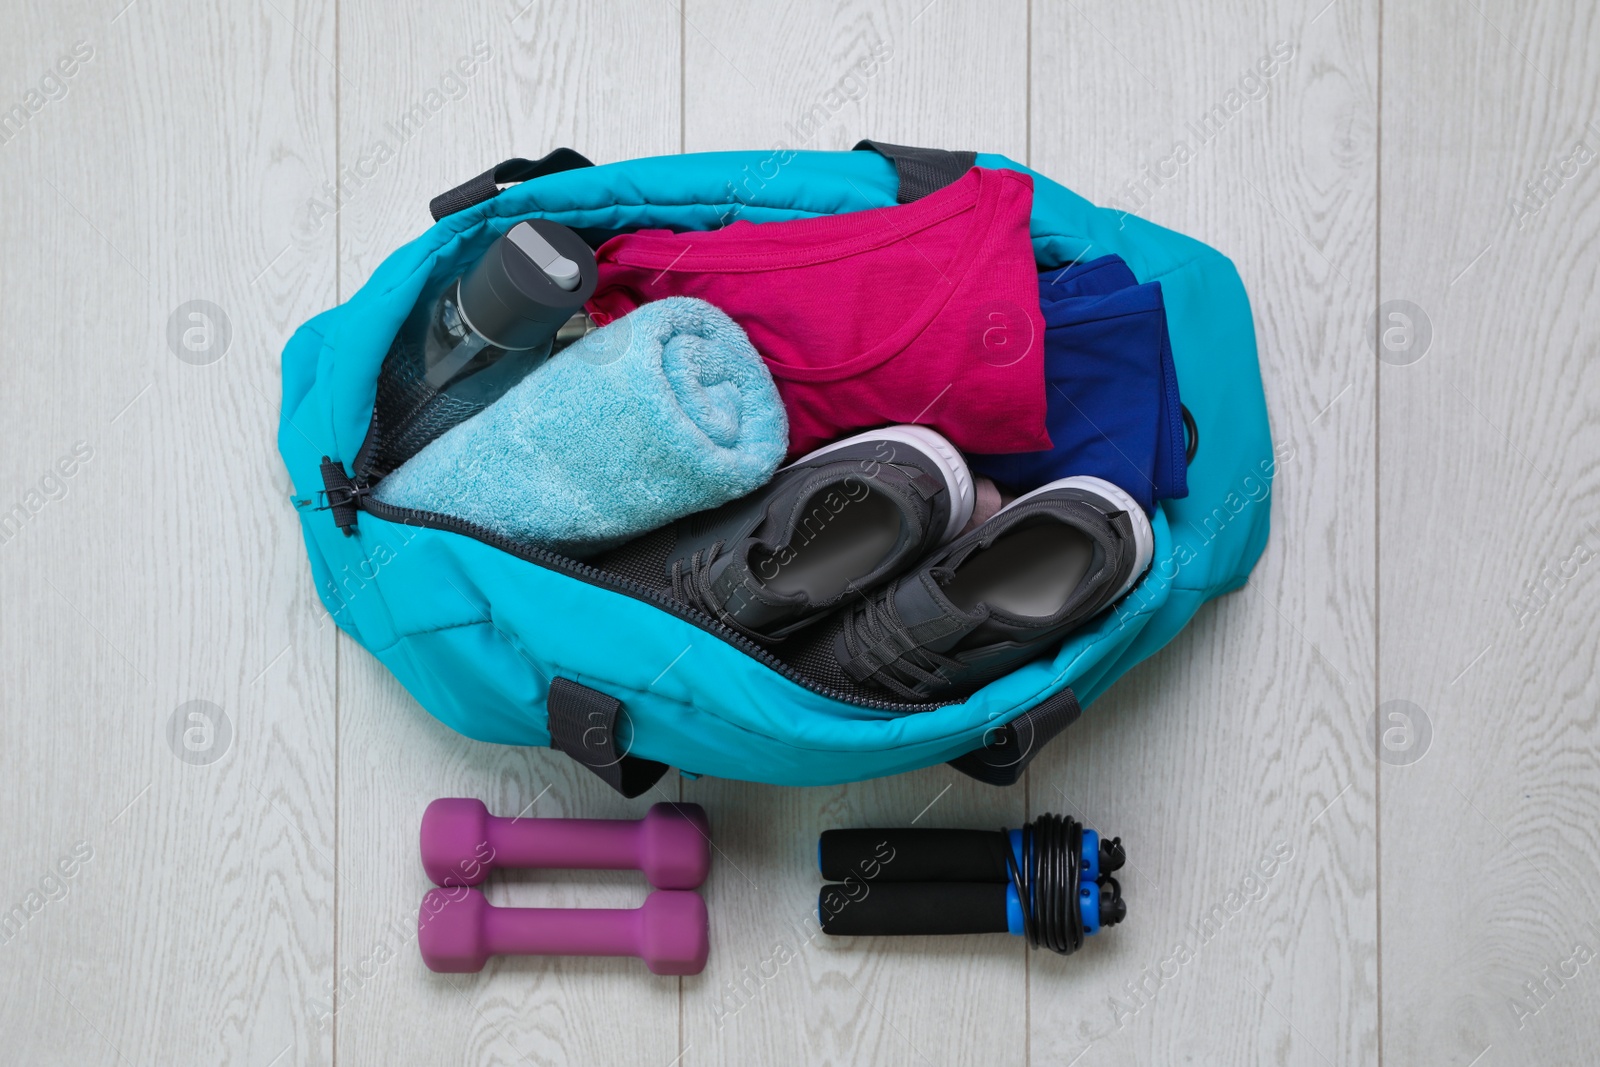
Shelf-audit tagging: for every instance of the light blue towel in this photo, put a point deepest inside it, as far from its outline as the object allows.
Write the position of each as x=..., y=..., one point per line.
x=665, y=412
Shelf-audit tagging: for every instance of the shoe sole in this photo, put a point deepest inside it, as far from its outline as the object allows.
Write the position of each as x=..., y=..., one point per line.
x=957, y=478
x=1144, y=537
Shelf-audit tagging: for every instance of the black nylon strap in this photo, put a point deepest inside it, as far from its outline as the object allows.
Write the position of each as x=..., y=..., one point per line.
x=1006, y=756
x=583, y=724
x=487, y=184
x=921, y=170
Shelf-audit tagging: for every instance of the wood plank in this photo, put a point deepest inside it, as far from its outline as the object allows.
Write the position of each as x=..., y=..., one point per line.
x=757, y=77
x=823, y=76
x=167, y=567
x=1490, y=522
x=1244, y=741
x=603, y=80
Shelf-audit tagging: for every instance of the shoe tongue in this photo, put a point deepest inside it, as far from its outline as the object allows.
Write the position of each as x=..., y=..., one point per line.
x=744, y=596
x=932, y=620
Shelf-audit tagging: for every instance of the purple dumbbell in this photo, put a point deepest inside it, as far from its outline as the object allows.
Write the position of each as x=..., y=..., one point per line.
x=458, y=930
x=462, y=843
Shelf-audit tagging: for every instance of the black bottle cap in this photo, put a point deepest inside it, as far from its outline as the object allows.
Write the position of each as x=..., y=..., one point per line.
x=517, y=296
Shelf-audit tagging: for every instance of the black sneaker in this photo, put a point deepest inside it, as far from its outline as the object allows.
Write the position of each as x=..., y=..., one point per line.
x=987, y=603
x=837, y=522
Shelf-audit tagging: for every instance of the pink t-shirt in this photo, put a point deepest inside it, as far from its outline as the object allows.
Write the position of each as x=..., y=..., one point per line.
x=924, y=313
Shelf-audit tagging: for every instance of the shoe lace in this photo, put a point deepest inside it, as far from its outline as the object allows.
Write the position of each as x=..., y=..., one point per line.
x=692, y=586
x=879, y=648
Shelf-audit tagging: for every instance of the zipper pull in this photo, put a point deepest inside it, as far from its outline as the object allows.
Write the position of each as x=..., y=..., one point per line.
x=342, y=495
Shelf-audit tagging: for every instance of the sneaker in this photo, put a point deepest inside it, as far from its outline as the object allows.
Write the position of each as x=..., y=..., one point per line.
x=835, y=523
x=990, y=601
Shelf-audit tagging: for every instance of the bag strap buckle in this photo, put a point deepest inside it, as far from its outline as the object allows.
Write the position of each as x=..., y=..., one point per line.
x=341, y=495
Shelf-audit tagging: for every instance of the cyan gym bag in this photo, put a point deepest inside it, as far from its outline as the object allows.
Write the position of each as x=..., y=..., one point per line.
x=513, y=645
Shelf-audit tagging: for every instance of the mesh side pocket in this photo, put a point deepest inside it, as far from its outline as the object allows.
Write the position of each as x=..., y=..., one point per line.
x=810, y=653
x=642, y=560
x=409, y=412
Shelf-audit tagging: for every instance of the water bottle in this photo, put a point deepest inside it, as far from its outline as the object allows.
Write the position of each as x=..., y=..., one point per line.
x=498, y=321
x=472, y=337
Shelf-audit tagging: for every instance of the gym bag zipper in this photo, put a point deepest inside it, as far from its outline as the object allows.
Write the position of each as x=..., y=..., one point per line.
x=344, y=496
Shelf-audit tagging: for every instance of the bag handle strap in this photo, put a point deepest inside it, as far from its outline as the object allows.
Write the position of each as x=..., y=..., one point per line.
x=921, y=170
x=1013, y=746
x=487, y=185
x=583, y=724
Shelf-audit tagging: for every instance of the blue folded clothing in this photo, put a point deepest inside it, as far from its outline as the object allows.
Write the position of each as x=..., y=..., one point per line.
x=1112, y=405
x=665, y=412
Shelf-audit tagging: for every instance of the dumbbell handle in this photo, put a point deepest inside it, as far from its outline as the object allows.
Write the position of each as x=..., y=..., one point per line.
x=590, y=844
x=562, y=931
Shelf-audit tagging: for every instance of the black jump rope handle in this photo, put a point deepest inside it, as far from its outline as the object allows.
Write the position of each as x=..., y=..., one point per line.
x=915, y=855
x=869, y=909
x=927, y=881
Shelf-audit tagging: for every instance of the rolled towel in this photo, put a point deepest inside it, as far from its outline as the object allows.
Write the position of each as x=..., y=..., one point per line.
x=667, y=411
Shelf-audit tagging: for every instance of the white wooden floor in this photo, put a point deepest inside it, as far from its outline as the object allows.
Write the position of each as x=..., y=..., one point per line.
x=1434, y=537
